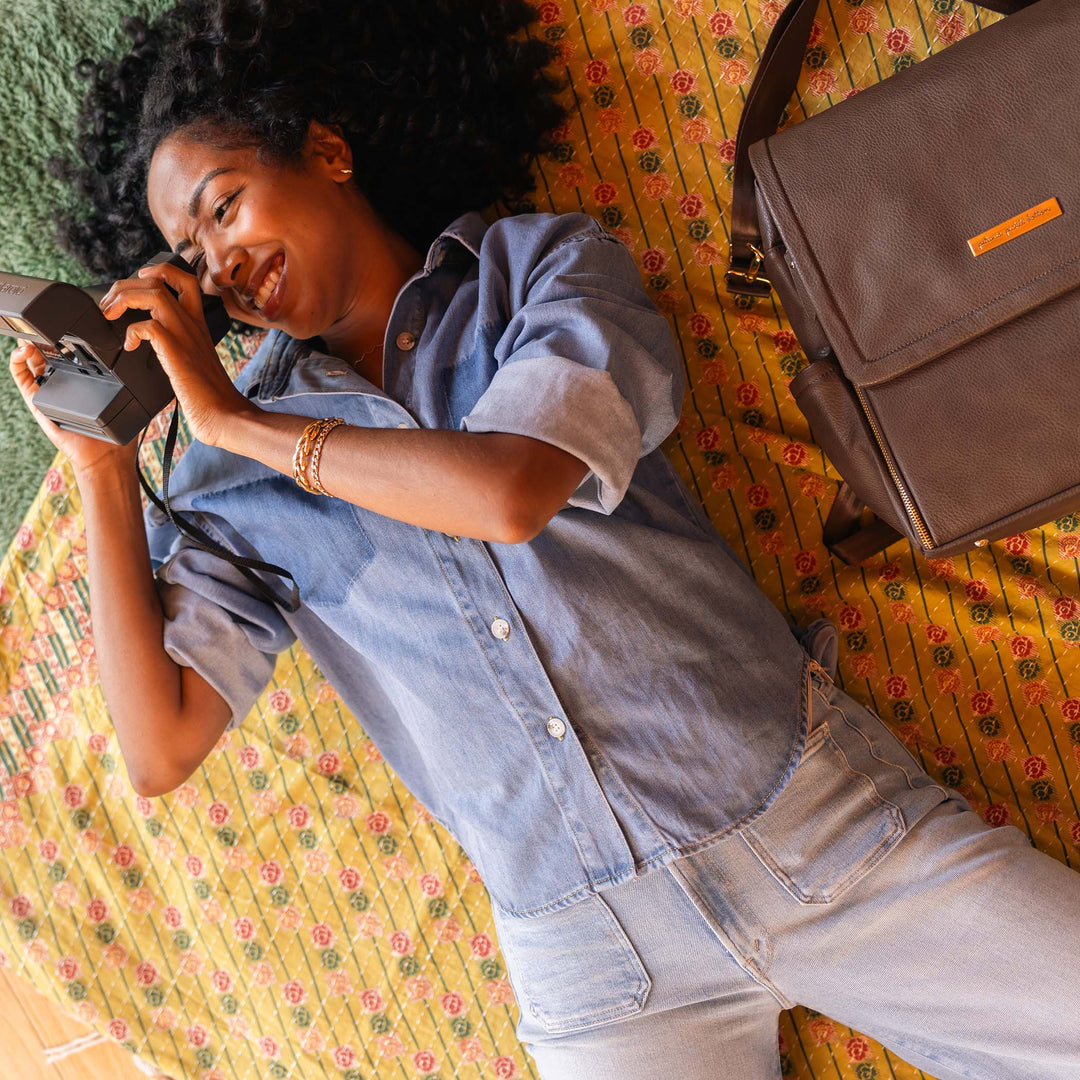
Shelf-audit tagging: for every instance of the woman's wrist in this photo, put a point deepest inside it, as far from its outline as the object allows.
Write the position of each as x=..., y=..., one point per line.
x=110, y=472
x=269, y=437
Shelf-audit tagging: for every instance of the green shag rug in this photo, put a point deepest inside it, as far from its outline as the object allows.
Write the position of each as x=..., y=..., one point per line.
x=41, y=41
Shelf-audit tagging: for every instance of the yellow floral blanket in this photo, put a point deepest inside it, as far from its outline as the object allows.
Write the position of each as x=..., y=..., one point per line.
x=292, y=911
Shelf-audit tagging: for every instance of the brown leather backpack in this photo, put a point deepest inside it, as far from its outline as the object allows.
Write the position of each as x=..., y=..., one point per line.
x=922, y=237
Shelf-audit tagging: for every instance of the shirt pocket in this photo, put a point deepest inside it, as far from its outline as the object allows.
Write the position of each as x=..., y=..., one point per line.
x=573, y=969
x=829, y=826
x=321, y=541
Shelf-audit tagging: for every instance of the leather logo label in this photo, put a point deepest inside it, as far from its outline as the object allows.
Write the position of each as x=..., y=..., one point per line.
x=1014, y=227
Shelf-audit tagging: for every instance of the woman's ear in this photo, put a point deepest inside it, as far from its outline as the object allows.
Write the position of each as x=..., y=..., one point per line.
x=326, y=147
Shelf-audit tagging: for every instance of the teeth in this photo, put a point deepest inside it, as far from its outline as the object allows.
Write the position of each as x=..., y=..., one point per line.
x=268, y=286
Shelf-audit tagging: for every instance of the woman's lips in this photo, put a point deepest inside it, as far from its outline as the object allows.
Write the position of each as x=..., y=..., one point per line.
x=272, y=302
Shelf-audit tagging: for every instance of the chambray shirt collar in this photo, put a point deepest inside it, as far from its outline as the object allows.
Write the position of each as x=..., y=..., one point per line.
x=465, y=232
x=458, y=243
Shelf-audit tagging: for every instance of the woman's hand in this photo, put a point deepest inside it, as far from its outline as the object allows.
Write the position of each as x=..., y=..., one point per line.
x=85, y=453
x=177, y=332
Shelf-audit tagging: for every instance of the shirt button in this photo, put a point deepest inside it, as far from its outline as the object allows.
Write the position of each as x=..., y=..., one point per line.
x=403, y=425
x=556, y=728
x=500, y=628
x=405, y=341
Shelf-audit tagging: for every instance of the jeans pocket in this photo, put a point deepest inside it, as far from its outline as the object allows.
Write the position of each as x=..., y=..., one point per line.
x=572, y=969
x=828, y=827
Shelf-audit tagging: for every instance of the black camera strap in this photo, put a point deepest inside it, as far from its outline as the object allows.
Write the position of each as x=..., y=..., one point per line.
x=205, y=542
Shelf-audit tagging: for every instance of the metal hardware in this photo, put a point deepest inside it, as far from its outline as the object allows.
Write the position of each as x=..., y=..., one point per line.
x=982, y=543
x=753, y=272
x=748, y=280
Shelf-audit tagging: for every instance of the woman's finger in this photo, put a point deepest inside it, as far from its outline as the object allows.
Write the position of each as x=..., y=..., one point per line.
x=151, y=296
x=22, y=369
x=164, y=343
x=116, y=287
x=26, y=364
x=35, y=361
x=154, y=298
x=185, y=284
x=186, y=331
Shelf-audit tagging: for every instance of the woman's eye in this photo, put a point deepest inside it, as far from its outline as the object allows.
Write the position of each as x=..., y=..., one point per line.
x=222, y=207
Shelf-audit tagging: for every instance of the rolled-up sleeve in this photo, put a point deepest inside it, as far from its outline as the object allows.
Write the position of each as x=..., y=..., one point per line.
x=215, y=620
x=586, y=363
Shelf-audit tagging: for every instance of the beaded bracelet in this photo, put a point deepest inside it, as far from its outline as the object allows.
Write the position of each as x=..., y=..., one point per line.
x=311, y=438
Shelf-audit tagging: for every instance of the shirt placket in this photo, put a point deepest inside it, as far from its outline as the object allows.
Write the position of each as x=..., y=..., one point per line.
x=523, y=686
x=403, y=332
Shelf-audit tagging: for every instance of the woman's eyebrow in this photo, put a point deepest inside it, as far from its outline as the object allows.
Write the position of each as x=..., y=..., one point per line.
x=196, y=195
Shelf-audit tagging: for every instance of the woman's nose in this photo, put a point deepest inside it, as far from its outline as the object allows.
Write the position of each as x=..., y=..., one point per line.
x=224, y=268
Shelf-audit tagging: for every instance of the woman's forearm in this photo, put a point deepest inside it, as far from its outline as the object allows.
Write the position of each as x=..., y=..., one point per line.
x=166, y=717
x=491, y=486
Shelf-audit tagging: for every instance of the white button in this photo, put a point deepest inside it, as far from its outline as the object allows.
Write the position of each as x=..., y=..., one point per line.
x=556, y=728
x=500, y=628
x=402, y=425
x=405, y=341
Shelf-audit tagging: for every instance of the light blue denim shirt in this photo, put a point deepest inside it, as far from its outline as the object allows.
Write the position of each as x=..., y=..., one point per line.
x=576, y=709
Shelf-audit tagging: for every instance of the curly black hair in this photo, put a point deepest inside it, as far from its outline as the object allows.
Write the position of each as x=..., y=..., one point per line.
x=444, y=103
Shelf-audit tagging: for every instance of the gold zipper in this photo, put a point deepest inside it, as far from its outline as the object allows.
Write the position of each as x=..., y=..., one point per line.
x=909, y=504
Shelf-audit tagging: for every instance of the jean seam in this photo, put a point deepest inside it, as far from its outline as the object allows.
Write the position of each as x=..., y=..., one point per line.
x=873, y=753
x=900, y=1044
x=752, y=969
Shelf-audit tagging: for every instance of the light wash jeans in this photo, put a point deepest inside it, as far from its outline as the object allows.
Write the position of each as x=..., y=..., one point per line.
x=866, y=892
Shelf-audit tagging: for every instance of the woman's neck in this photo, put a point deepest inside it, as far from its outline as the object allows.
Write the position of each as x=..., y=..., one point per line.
x=358, y=335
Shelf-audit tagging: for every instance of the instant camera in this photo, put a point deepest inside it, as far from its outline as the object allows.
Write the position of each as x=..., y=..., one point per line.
x=91, y=385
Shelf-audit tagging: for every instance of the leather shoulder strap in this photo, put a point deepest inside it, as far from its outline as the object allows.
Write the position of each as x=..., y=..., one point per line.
x=769, y=93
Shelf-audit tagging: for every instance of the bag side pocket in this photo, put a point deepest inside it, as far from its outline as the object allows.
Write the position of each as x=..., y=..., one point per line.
x=842, y=431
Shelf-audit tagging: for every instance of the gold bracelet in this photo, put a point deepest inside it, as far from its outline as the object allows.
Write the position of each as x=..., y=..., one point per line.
x=303, y=450
x=316, y=453
x=304, y=446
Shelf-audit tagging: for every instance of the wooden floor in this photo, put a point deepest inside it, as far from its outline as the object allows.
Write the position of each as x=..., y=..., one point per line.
x=30, y=1022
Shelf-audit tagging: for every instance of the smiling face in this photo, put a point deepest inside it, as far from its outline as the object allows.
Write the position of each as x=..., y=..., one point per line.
x=296, y=247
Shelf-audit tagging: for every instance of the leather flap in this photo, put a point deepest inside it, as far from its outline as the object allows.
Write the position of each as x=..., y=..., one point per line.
x=877, y=198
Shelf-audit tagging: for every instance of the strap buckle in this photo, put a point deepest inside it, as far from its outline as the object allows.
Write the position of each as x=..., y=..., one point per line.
x=748, y=280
